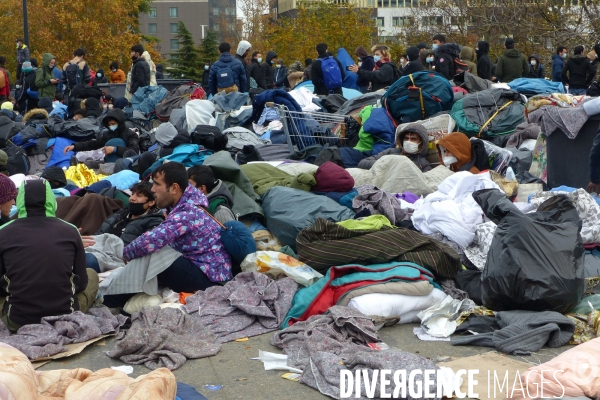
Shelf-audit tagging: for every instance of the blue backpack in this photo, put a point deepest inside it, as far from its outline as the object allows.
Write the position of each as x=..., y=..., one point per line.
x=332, y=76
x=225, y=78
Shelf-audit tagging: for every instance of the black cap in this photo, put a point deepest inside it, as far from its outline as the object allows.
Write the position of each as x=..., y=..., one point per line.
x=421, y=46
x=56, y=174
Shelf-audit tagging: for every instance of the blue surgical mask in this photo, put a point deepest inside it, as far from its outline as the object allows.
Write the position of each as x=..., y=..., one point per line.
x=564, y=55
x=113, y=127
x=259, y=60
x=376, y=58
x=429, y=59
x=434, y=46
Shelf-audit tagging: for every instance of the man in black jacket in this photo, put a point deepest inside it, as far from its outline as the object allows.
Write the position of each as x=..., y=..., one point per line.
x=414, y=63
x=115, y=141
x=140, y=72
x=267, y=72
x=578, y=72
x=254, y=70
x=316, y=72
x=42, y=262
x=241, y=53
x=445, y=54
x=484, y=63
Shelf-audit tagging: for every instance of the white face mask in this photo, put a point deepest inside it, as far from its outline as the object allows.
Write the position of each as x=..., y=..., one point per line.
x=533, y=62
x=410, y=147
x=449, y=160
x=278, y=65
x=206, y=67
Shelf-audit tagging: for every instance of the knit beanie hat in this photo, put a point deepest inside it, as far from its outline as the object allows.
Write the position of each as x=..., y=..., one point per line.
x=412, y=53
x=165, y=133
x=55, y=173
x=26, y=66
x=8, y=190
x=3, y=158
x=121, y=103
x=7, y=105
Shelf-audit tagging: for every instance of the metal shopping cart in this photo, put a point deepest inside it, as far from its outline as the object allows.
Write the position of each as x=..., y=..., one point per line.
x=305, y=129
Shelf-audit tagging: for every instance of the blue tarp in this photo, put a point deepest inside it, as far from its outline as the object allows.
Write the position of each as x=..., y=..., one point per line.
x=536, y=85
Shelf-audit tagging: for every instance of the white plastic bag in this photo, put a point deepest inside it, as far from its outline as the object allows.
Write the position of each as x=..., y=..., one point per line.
x=274, y=361
x=274, y=263
x=439, y=320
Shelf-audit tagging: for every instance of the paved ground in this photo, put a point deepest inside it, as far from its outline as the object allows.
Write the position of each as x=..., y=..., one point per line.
x=243, y=378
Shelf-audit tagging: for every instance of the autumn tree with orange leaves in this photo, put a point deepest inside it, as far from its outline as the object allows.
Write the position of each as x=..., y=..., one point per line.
x=105, y=29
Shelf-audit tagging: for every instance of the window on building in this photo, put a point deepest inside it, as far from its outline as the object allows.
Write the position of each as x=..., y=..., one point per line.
x=379, y=3
x=393, y=3
x=415, y=3
x=230, y=11
x=152, y=29
x=432, y=21
x=215, y=11
x=370, y=3
x=173, y=12
x=402, y=21
x=380, y=22
x=174, y=28
x=152, y=12
x=457, y=21
x=386, y=3
x=174, y=44
x=401, y=3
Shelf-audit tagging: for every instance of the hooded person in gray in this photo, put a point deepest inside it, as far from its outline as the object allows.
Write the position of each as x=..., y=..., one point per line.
x=241, y=53
x=412, y=142
x=220, y=199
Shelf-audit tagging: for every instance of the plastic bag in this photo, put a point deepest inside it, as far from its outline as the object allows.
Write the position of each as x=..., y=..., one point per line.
x=535, y=260
x=275, y=263
x=439, y=320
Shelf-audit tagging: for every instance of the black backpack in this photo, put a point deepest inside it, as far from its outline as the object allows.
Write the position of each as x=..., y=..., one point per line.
x=18, y=162
x=210, y=137
x=72, y=74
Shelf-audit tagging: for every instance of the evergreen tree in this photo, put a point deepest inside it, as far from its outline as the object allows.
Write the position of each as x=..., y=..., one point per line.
x=186, y=61
x=210, y=47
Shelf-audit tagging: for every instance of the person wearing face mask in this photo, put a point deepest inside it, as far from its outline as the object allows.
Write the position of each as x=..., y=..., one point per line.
x=536, y=69
x=558, y=63
x=114, y=141
x=116, y=74
x=366, y=63
x=456, y=153
x=254, y=70
x=385, y=72
x=426, y=57
x=44, y=80
x=140, y=216
x=280, y=70
x=140, y=72
x=267, y=72
x=100, y=77
x=414, y=63
x=444, y=56
x=412, y=142
x=484, y=63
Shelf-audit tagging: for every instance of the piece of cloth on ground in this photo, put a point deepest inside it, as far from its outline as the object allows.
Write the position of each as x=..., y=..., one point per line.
x=523, y=132
x=420, y=288
x=397, y=174
x=108, y=250
x=76, y=210
x=379, y=201
x=325, y=244
x=140, y=274
x=265, y=176
x=49, y=337
x=251, y=304
x=553, y=118
x=164, y=338
x=523, y=332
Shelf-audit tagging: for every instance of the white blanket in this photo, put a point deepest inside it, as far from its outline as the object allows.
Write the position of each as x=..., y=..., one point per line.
x=304, y=97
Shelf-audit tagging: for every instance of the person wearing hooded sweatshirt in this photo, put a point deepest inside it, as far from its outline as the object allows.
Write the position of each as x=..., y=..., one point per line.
x=117, y=75
x=140, y=71
x=92, y=106
x=217, y=82
x=63, y=284
x=365, y=63
x=241, y=53
x=455, y=153
x=444, y=56
x=28, y=99
x=468, y=56
x=484, y=63
x=512, y=64
x=578, y=72
x=115, y=141
x=44, y=80
x=427, y=58
x=414, y=63
x=100, y=77
x=385, y=72
x=536, y=69
x=267, y=71
x=220, y=200
x=412, y=142
x=558, y=63
x=159, y=72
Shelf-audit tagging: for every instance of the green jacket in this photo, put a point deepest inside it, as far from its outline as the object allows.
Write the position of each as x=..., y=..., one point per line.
x=43, y=76
x=511, y=65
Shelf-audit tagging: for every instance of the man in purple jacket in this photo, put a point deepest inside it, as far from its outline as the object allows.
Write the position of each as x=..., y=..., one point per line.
x=188, y=229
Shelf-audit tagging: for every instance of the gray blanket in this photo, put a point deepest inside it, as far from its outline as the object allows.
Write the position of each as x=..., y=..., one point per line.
x=49, y=337
x=379, y=201
x=523, y=332
x=523, y=132
x=325, y=344
x=551, y=118
x=108, y=250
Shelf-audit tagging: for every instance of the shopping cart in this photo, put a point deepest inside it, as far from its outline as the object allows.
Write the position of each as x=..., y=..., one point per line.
x=304, y=129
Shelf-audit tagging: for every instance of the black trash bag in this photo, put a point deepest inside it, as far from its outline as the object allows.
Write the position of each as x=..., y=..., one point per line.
x=470, y=281
x=535, y=260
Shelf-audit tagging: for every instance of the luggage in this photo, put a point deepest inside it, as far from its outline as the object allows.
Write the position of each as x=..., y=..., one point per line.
x=177, y=98
x=418, y=96
x=210, y=137
x=18, y=162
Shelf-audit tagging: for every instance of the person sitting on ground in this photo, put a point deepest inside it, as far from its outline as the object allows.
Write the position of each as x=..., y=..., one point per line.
x=3, y=162
x=55, y=176
x=220, y=200
x=385, y=72
x=455, y=153
x=412, y=142
x=115, y=141
x=536, y=69
x=92, y=106
x=188, y=229
x=8, y=193
x=140, y=216
x=79, y=114
x=227, y=74
x=117, y=75
x=65, y=285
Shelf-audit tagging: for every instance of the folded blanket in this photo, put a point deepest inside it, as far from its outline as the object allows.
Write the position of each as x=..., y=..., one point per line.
x=108, y=250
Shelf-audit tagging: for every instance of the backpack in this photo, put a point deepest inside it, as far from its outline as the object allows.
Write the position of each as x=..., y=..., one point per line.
x=210, y=137
x=18, y=162
x=418, y=96
x=225, y=78
x=72, y=75
x=3, y=80
x=332, y=76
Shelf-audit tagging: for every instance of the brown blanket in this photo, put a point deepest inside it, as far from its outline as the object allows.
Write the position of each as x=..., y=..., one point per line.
x=87, y=212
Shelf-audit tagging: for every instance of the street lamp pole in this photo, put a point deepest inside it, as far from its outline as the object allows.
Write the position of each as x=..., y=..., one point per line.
x=25, y=24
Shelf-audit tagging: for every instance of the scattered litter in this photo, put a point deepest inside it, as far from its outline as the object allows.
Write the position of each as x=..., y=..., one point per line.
x=214, y=388
x=291, y=376
x=275, y=361
x=422, y=335
x=128, y=369
x=244, y=339
x=378, y=346
x=100, y=343
x=439, y=320
x=242, y=379
x=442, y=359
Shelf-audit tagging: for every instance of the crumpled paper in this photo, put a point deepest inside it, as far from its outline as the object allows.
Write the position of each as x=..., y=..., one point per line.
x=439, y=320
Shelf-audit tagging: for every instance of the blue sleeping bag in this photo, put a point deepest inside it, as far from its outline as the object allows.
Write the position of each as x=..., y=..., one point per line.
x=533, y=86
x=58, y=157
x=350, y=78
x=381, y=127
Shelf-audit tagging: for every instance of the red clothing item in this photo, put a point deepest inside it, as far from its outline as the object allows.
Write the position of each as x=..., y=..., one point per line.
x=5, y=91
